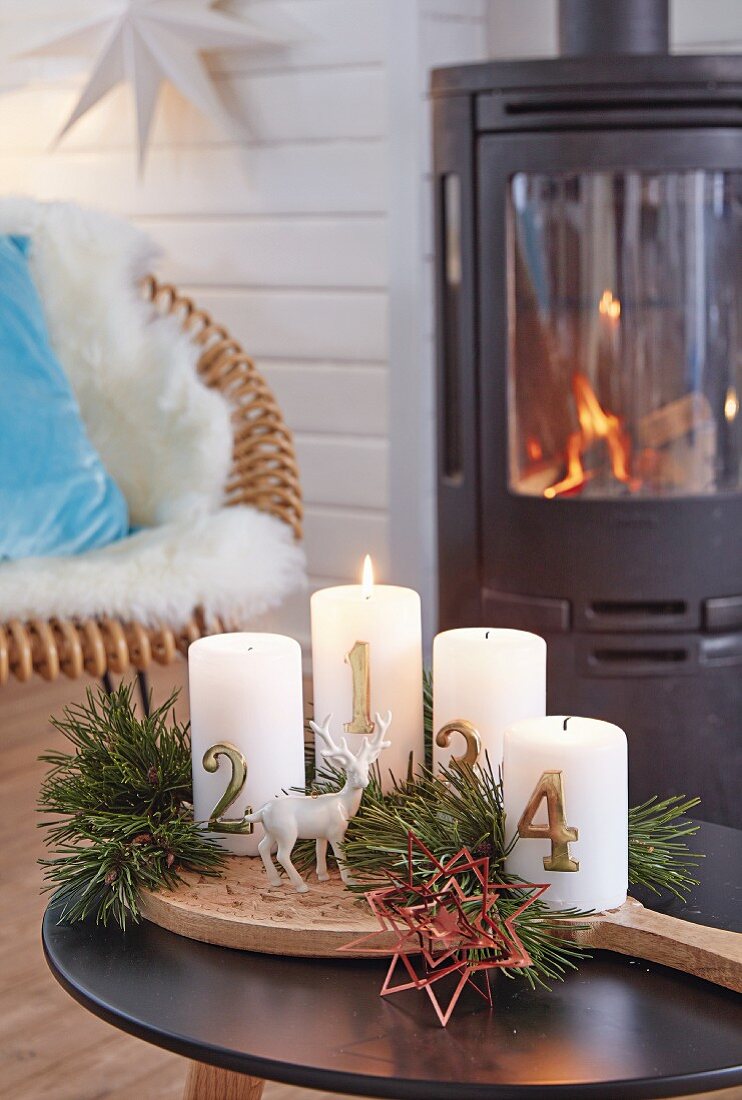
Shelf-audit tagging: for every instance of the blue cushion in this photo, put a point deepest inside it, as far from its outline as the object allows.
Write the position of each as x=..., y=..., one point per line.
x=55, y=495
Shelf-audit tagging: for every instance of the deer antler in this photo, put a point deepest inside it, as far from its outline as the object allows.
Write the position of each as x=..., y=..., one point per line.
x=323, y=731
x=373, y=746
x=340, y=753
x=382, y=725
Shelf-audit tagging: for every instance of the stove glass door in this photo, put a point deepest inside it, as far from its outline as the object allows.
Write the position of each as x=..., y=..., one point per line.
x=624, y=318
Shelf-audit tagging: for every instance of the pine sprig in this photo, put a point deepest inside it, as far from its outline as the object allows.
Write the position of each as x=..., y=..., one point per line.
x=659, y=858
x=116, y=808
x=464, y=811
x=428, y=716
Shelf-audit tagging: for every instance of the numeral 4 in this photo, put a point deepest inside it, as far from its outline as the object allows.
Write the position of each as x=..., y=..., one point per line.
x=550, y=787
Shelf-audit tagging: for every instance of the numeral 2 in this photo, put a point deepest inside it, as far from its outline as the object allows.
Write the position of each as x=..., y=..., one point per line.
x=217, y=823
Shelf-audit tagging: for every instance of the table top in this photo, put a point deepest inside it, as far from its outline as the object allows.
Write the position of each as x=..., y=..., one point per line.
x=617, y=1027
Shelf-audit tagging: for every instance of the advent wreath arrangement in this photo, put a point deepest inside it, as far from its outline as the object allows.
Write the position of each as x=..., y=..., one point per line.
x=429, y=854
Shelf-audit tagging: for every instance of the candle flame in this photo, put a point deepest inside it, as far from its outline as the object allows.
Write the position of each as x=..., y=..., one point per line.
x=731, y=405
x=367, y=579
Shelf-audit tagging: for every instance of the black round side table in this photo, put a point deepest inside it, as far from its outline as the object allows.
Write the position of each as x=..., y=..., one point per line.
x=616, y=1029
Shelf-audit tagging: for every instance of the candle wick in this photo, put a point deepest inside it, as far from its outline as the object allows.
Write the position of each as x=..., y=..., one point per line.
x=565, y=723
x=487, y=634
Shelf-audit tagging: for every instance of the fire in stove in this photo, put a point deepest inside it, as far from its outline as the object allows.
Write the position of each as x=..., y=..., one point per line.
x=671, y=449
x=578, y=443
x=596, y=425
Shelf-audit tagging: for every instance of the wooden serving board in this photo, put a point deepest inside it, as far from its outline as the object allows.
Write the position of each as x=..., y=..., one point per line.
x=710, y=953
x=240, y=910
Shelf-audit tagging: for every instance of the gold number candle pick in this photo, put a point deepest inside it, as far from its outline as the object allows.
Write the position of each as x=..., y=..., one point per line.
x=586, y=759
x=358, y=659
x=217, y=823
x=551, y=787
x=471, y=736
x=367, y=637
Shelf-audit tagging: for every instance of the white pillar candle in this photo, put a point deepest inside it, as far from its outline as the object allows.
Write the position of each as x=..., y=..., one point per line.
x=245, y=690
x=490, y=678
x=367, y=659
x=585, y=762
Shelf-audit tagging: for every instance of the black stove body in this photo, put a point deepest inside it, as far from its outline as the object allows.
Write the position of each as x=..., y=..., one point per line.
x=588, y=239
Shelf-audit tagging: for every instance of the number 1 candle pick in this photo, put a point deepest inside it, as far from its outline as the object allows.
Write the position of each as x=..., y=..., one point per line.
x=367, y=658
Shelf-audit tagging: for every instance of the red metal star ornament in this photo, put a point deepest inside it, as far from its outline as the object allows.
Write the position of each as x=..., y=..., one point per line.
x=441, y=929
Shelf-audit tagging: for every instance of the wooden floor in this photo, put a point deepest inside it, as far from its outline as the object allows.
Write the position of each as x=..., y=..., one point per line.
x=50, y=1048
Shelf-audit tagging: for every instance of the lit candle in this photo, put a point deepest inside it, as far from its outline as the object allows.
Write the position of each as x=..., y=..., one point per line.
x=367, y=659
x=247, y=729
x=566, y=795
x=484, y=680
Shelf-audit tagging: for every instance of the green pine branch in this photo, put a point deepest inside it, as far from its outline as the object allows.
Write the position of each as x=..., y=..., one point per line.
x=659, y=857
x=116, y=808
x=466, y=809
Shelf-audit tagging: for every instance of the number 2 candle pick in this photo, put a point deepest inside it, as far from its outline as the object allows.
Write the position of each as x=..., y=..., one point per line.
x=367, y=658
x=247, y=730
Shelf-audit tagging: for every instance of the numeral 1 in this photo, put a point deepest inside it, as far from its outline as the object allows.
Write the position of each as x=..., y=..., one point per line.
x=358, y=659
x=471, y=736
x=551, y=787
x=217, y=823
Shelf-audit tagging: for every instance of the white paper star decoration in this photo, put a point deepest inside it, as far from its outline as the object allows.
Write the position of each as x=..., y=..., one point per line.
x=145, y=42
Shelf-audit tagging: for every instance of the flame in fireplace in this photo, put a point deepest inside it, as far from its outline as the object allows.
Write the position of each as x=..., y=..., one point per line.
x=534, y=449
x=595, y=424
x=608, y=306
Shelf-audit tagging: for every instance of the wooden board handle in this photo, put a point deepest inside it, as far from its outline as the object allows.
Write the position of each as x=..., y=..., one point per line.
x=709, y=953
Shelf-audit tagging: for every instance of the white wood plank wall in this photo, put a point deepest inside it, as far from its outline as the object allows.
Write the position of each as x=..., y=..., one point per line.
x=436, y=32
x=280, y=230
x=528, y=28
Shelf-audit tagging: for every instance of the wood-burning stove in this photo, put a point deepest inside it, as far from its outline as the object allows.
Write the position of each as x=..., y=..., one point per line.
x=589, y=233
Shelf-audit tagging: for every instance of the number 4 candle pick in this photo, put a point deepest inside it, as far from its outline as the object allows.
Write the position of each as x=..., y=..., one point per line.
x=565, y=789
x=367, y=658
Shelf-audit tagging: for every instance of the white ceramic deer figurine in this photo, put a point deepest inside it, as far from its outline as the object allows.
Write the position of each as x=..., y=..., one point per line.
x=321, y=817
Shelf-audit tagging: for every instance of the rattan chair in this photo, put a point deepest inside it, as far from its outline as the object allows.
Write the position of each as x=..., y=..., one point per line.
x=264, y=474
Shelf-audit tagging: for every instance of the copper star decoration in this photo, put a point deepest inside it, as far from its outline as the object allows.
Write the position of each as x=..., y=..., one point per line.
x=441, y=929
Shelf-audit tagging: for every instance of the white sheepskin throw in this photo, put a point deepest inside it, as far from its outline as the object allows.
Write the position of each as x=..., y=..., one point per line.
x=237, y=562
x=163, y=435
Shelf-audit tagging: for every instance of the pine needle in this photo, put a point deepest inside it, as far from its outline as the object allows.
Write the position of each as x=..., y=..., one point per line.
x=117, y=808
x=465, y=810
x=659, y=858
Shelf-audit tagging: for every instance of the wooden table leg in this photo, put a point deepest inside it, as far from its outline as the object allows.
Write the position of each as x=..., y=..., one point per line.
x=209, y=1083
